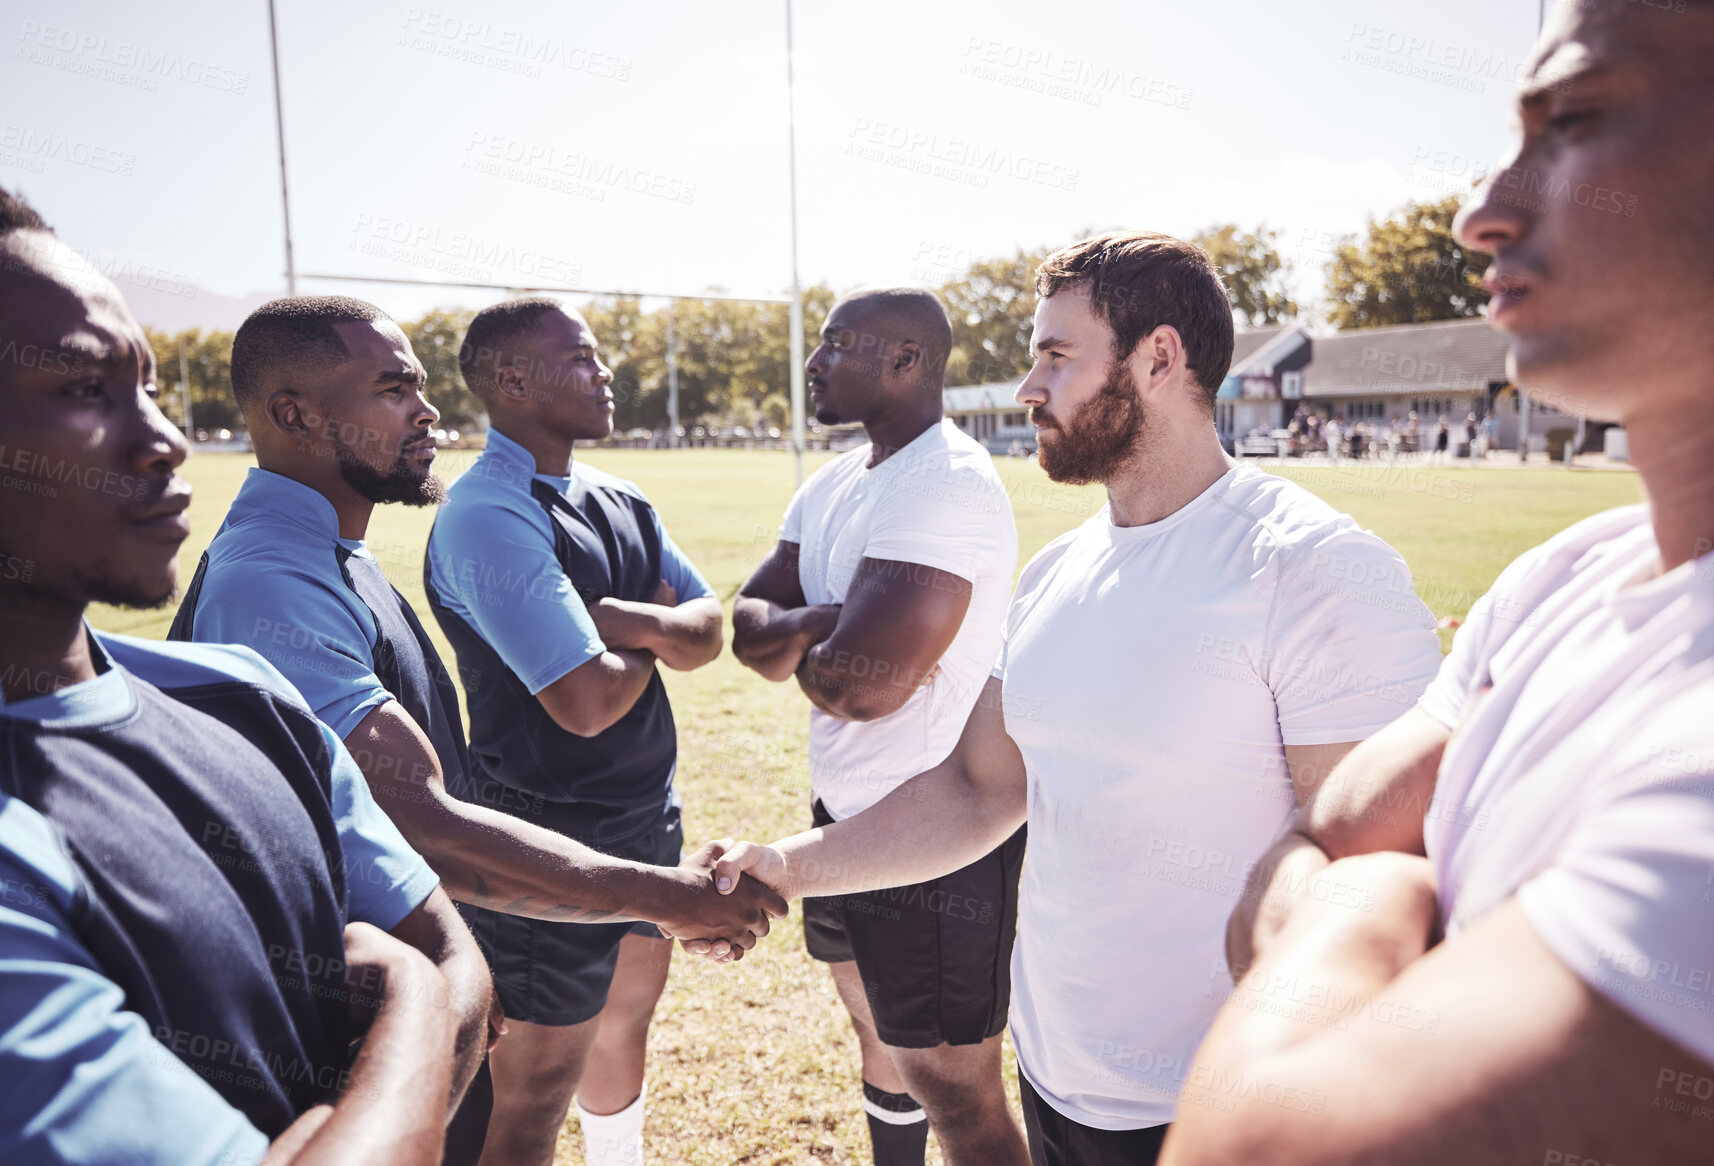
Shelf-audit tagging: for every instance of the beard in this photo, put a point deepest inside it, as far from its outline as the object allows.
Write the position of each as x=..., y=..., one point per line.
x=402, y=482
x=1097, y=440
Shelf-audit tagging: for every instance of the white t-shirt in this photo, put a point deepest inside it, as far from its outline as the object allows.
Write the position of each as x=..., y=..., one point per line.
x=1581, y=775
x=1153, y=677
x=937, y=503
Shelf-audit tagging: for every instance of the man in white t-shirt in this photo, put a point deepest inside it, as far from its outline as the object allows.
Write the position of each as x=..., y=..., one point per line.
x=1176, y=673
x=1549, y=805
x=885, y=598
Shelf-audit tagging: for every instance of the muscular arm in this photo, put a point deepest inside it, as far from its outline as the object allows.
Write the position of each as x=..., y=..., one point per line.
x=435, y=930
x=593, y=696
x=1345, y=1044
x=682, y=636
x=493, y=860
x=931, y=825
x=1373, y=800
x=897, y=621
x=393, y=1110
x=773, y=625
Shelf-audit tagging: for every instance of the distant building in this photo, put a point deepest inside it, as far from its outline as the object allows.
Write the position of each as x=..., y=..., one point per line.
x=1264, y=383
x=1448, y=368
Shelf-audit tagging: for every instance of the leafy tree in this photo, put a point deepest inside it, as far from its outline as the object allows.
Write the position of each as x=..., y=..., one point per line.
x=1410, y=269
x=435, y=339
x=1256, y=277
x=992, y=306
x=208, y=361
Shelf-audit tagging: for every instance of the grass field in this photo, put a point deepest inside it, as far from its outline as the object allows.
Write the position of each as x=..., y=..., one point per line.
x=754, y=1063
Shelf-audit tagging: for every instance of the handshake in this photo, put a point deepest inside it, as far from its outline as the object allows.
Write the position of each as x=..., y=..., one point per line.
x=720, y=913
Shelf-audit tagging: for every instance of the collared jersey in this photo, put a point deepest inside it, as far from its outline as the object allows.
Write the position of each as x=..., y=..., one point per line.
x=514, y=563
x=278, y=578
x=181, y=845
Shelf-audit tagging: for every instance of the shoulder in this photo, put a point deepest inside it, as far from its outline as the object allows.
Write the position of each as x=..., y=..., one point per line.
x=602, y=480
x=490, y=501
x=170, y=664
x=36, y=873
x=1042, y=565
x=1294, y=530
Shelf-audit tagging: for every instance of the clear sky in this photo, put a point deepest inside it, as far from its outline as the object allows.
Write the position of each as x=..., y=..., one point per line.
x=644, y=145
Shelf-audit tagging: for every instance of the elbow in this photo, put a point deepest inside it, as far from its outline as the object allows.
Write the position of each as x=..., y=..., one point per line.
x=857, y=704
x=582, y=718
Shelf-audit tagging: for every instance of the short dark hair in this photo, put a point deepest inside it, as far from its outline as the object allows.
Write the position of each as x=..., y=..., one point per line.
x=18, y=215
x=920, y=316
x=296, y=333
x=494, y=327
x=1140, y=280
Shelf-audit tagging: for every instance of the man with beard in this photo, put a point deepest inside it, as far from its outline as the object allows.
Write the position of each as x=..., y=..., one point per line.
x=559, y=589
x=333, y=396
x=884, y=598
x=189, y=860
x=1176, y=672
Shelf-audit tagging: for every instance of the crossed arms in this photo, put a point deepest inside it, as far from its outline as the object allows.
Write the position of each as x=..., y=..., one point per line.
x=1352, y=1037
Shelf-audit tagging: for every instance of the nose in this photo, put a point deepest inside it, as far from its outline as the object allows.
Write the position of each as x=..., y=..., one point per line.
x=1493, y=220
x=428, y=414
x=160, y=448
x=817, y=363
x=603, y=375
x=1032, y=391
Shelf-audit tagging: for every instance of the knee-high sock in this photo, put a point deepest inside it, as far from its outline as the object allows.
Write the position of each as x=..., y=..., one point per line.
x=614, y=1139
x=898, y=1127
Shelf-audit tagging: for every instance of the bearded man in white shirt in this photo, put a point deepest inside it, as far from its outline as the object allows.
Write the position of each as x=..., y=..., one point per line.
x=1176, y=673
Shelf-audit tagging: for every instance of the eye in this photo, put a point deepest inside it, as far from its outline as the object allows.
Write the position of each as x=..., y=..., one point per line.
x=91, y=390
x=1570, y=120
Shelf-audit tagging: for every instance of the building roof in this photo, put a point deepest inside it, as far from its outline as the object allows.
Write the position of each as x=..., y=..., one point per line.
x=1247, y=341
x=1446, y=355
x=975, y=398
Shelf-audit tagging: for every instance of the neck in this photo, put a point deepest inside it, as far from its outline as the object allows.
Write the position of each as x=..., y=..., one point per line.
x=552, y=453
x=351, y=507
x=46, y=649
x=901, y=426
x=1167, y=473
x=1673, y=451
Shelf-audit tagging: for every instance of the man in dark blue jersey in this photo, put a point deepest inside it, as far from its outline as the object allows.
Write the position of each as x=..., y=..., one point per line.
x=559, y=589
x=191, y=868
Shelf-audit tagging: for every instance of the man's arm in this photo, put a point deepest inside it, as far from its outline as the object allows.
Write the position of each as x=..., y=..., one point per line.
x=1346, y=1044
x=393, y=1110
x=931, y=825
x=681, y=635
x=592, y=697
x=494, y=860
x=1373, y=800
x=897, y=621
x=773, y=625
x=435, y=930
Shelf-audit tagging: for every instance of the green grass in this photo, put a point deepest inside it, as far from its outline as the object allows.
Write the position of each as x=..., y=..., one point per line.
x=755, y=1063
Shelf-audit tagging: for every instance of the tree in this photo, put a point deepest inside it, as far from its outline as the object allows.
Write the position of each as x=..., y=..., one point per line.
x=1409, y=270
x=992, y=306
x=435, y=339
x=208, y=361
x=1249, y=264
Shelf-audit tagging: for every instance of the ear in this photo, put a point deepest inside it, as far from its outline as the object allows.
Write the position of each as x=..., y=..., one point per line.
x=509, y=382
x=285, y=409
x=907, y=357
x=1159, y=359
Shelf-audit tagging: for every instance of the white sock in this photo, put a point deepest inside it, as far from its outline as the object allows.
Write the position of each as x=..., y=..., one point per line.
x=615, y=1139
